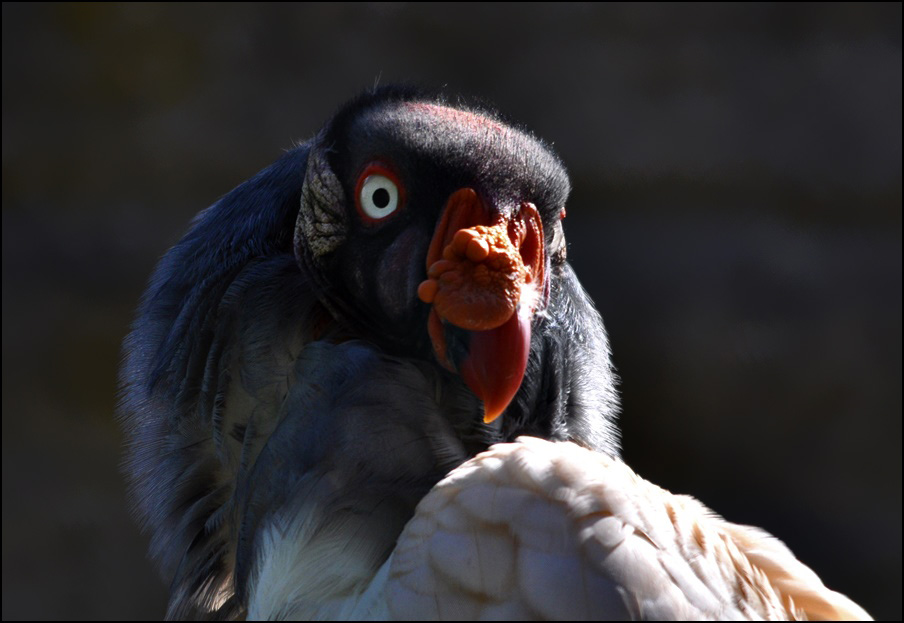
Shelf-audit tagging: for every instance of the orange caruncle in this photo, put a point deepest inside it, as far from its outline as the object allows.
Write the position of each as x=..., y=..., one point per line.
x=477, y=283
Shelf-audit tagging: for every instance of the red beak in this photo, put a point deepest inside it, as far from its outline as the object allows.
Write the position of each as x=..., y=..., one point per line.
x=485, y=274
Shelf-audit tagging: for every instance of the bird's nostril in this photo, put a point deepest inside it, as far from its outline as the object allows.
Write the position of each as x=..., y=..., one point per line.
x=531, y=242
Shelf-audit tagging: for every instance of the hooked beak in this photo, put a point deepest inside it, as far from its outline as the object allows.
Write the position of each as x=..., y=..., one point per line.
x=486, y=273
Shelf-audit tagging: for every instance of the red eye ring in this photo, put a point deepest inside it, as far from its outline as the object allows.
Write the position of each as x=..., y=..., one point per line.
x=378, y=167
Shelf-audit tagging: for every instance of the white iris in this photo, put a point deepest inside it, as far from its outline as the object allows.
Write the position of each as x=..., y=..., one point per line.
x=379, y=196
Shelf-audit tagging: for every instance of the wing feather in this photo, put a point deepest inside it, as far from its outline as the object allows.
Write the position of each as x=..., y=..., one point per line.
x=547, y=530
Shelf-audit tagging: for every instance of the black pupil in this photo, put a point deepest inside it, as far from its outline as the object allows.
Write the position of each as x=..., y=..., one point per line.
x=381, y=197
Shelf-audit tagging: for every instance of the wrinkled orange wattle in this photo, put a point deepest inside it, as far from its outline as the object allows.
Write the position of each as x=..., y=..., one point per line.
x=483, y=272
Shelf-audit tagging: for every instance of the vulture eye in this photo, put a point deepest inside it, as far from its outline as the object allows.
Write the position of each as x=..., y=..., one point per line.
x=379, y=193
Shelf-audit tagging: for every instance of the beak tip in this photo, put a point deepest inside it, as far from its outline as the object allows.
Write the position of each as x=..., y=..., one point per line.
x=490, y=415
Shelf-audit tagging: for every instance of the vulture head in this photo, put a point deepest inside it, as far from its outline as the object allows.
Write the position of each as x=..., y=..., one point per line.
x=435, y=231
x=334, y=335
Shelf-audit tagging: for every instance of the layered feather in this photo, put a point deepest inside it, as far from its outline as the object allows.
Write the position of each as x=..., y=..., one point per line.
x=543, y=530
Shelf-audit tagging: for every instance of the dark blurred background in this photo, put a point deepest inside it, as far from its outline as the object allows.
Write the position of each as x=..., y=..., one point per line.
x=736, y=217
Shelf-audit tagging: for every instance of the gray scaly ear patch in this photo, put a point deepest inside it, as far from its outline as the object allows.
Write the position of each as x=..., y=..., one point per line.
x=321, y=225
